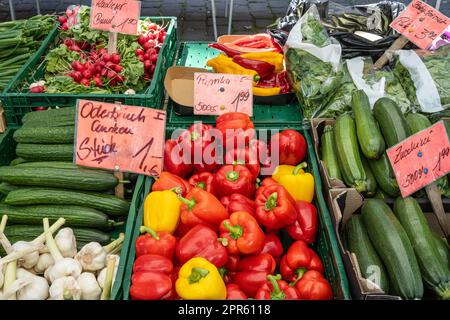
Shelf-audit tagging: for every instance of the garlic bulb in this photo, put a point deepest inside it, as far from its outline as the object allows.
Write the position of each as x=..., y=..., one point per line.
x=90, y=289
x=65, y=288
x=47, y=273
x=102, y=274
x=65, y=268
x=45, y=261
x=36, y=290
x=29, y=260
x=66, y=242
x=18, y=284
x=2, y=277
x=92, y=257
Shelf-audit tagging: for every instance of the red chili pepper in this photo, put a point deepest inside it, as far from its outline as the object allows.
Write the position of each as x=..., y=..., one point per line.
x=201, y=241
x=169, y=181
x=299, y=259
x=275, y=207
x=153, y=262
x=245, y=157
x=203, y=180
x=243, y=234
x=177, y=159
x=291, y=146
x=238, y=202
x=283, y=82
x=160, y=243
x=228, y=51
x=305, y=227
x=201, y=207
x=273, y=246
x=234, y=179
x=313, y=286
x=263, y=68
x=276, y=289
x=235, y=293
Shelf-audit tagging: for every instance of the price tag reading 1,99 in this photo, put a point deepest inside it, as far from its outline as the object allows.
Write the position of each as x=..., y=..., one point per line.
x=218, y=93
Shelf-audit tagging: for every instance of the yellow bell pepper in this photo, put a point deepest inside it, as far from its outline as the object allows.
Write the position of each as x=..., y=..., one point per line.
x=274, y=58
x=199, y=279
x=224, y=64
x=263, y=92
x=298, y=183
x=162, y=211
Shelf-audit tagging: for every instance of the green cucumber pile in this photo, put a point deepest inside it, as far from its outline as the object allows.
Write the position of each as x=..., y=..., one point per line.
x=44, y=183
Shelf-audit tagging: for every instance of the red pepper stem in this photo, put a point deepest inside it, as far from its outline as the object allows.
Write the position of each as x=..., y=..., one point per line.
x=189, y=203
x=271, y=202
x=276, y=293
x=232, y=175
x=145, y=229
x=299, y=272
x=197, y=274
x=298, y=167
x=201, y=185
x=235, y=231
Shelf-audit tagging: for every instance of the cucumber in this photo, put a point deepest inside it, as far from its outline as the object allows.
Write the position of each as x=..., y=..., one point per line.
x=59, y=178
x=49, y=114
x=371, y=182
x=49, y=164
x=434, y=270
x=443, y=248
x=369, y=262
x=394, y=248
x=29, y=232
x=369, y=135
x=75, y=216
x=348, y=154
x=391, y=120
x=108, y=204
x=328, y=153
x=45, y=135
x=17, y=161
x=6, y=188
x=385, y=176
x=45, y=152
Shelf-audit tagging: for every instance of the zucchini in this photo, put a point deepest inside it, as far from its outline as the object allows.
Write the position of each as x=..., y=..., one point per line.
x=391, y=120
x=348, y=153
x=6, y=188
x=434, y=270
x=17, y=161
x=369, y=262
x=385, y=176
x=369, y=135
x=45, y=135
x=443, y=248
x=59, y=178
x=108, y=204
x=371, y=182
x=45, y=152
x=394, y=248
x=328, y=153
x=75, y=216
x=380, y=194
x=29, y=232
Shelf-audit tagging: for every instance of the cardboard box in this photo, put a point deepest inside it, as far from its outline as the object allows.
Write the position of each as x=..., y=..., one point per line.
x=345, y=203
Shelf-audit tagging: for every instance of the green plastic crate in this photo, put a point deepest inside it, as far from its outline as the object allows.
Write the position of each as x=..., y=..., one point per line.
x=18, y=101
x=326, y=242
x=196, y=54
x=8, y=153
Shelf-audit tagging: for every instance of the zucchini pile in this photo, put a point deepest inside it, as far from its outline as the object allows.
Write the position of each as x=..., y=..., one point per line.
x=44, y=183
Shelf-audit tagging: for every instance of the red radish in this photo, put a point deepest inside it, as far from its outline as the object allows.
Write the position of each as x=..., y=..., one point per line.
x=141, y=58
x=151, y=51
x=146, y=56
x=106, y=57
x=117, y=68
x=68, y=42
x=154, y=58
x=69, y=12
x=139, y=52
x=37, y=89
x=102, y=51
x=75, y=47
x=120, y=78
x=115, y=58
x=161, y=37
x=87, y=74
x=153, y=26
x=111, y=74
x=84, y=45
x=101, y=62
x=39, y=108
x=150, y=44
x=98, y=67
x=85, y=82
x=109, y=64
x=147, y=64
x=77, y=76
x=151, y=36
x=104, y=72
x=65, y=26
x=141, y=40
x=62, y=19
x=98, y=82
x=77, y=65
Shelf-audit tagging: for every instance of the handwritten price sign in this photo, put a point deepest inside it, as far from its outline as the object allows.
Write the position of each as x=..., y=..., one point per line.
x=218, y=93
x=120, y=16
x=420, y=23
x=119, y=137
x=421, y=159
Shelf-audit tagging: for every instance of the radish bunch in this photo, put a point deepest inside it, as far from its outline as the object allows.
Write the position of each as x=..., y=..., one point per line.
x=69, y=18
x=151, y=43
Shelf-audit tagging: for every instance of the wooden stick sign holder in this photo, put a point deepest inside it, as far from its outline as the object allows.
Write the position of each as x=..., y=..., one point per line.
x=120, y=189
x=112, y=42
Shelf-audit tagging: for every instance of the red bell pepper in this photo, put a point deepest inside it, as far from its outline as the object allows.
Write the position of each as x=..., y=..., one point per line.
x=313, y=286
x=245, y=157
x=203, y=180
x=235, y=293
x=228, y=51
x=153, y=262
x=227, y=275
x=299, y=259
x=238, y=202
x=234, y=179
x=177, y=159
x=169, y=181
x=305, y=226
x=238, y=124
x=232, y=263
x=201, y=207
x=243, y=234
x=276, y=289
x=151, y=286
x=253, y=271
x=263, y=68
x=273, y=246
x=181, y=229
x=174, y=278
x=291, y=147
x=267, y=182
x=201, y=241
x=160, y=243
x=275, y=207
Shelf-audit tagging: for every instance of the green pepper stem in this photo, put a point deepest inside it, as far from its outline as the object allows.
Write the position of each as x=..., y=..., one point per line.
x=235, y=231
x=299, y=272
x=177, y=190
x=276, y=293
x=201, y=185
x=232, y=175
x=145, y=229
x=223, y=271
x=298, y=167
x=223, y=241
x=195, y=135
x=197, y=274
x=189, y=203
x=271, y=202
x=236, y=162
